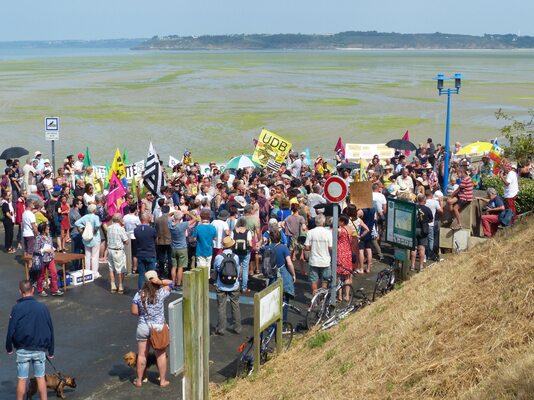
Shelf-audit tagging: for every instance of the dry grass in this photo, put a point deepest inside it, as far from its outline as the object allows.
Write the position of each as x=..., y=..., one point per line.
x=461, y=330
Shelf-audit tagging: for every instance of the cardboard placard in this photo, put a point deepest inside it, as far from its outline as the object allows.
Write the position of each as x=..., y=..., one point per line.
x=361, y=194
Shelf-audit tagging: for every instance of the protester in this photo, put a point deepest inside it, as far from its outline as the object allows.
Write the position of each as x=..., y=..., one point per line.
x=227, y=292
x=243, y=239
x=8, y=222
x=319, y=244
x=461, y=197
x=31, y=333
x=495, y=210
x=508, y=176
x=163, y=242
x=29, y=228
x=148, y=305
x=205, y=234
x=145, y=239
x=117, y=238
x=131, y=220
x=286, y=269
x=43, y=254
x=90, y=223
x=423, y=218
x=178, y=231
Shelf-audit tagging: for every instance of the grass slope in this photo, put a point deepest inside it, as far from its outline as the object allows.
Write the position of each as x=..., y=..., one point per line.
x=464, y=329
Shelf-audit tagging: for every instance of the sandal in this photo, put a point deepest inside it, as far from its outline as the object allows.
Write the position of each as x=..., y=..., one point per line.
x=164, y=384
x=136, y=383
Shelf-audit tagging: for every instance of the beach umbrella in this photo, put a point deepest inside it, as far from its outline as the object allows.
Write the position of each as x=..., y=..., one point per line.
x=13, y=152
x=240, y=162
x=401, y=144
x=476, y=149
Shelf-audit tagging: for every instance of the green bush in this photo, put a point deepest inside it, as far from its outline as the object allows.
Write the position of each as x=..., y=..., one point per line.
x=525, y=198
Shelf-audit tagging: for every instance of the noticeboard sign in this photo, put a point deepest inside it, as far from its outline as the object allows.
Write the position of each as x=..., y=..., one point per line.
x=401, y=223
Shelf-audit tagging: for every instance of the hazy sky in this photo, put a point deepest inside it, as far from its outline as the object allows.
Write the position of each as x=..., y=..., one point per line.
x=101, y=19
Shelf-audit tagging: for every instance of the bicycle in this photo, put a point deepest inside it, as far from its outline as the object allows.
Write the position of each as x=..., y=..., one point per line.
x=385, y=280
x=245, y=363
x=320, y=309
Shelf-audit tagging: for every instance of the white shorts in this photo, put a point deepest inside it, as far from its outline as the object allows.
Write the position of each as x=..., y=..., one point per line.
x=117, y=261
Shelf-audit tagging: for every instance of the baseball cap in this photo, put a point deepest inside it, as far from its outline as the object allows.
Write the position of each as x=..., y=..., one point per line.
x=149, y=275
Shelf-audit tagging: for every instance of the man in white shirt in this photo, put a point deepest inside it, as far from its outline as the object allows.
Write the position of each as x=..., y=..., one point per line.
x=508, y=176
x=223, y=230
x=405, y=180
x=435, y=207
x=314, y=199
x=29, y=228
x=295, y=166
x=78, y=165
x=319, y=244
x=29, y=172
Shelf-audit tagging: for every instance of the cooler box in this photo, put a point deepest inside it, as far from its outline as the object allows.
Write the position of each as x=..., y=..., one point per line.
x=77, y=279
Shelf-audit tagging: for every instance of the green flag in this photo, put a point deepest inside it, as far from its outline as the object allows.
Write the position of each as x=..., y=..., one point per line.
x=125, y=157
x=106, y=182
x=133, y=189
x=87, y=160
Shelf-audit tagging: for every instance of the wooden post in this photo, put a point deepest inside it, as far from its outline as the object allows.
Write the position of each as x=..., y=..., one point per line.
x=196, y=334
x=205, y=327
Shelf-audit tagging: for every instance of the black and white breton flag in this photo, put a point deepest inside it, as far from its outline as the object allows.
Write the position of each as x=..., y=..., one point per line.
x=153, y=174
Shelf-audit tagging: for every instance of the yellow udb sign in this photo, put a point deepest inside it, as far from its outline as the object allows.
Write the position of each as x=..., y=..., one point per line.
x=271, y=150
x=117, y=166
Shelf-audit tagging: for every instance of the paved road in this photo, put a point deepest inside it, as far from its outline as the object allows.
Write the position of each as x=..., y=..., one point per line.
x=94, y=329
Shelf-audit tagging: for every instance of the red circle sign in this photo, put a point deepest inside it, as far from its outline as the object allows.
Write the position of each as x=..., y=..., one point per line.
x=335, y=189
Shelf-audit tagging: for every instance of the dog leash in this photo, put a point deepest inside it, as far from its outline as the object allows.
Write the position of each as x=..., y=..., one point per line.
x=58, y=374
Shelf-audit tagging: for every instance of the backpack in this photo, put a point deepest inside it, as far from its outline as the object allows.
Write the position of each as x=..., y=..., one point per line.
x=241, y=243
x=269, y=269
x=228, y=269
x=2, y=216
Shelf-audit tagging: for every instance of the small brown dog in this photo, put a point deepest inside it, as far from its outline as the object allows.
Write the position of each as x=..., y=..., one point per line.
x=53, y=381
x=130, y=359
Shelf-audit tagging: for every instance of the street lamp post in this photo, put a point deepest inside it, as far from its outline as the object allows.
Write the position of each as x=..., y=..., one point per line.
x=457, y=84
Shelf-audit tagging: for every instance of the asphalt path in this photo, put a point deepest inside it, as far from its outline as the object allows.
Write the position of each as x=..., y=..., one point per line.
x=94, y=329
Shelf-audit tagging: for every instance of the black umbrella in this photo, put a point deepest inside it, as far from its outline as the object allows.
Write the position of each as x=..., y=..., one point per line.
x=401, y=144
x=348, y=165
x=13, y=152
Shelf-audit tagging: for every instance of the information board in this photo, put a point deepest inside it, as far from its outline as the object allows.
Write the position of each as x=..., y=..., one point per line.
x=400, y=223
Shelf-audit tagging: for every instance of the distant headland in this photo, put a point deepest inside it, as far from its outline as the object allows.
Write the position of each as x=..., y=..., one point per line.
x=342, y=40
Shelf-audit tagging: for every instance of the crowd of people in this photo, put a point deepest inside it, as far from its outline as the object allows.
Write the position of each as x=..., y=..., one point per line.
x=185, y=225
x=233, y=221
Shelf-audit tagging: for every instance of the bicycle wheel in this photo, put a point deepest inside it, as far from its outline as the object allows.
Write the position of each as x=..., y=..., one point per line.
x=316, y=310
x=245, y=363
x=287, y=337
x=347, y=295
x=380, y=285
x=360, y=299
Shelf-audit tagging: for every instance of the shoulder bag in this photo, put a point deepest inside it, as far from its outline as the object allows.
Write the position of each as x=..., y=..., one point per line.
x=88, y=233
x=159, y=340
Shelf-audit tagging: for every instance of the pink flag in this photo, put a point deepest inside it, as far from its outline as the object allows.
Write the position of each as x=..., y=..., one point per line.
x=340, y=148
x=407, y=138
x=116, y=192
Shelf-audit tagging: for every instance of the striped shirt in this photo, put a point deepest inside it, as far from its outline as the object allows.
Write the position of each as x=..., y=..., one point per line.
x=466, y=189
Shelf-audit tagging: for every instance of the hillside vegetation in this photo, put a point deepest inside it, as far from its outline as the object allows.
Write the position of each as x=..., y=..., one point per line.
x=464, y=329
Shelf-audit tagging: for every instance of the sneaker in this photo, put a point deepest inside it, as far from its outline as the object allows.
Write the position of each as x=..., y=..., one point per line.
x=58, y=293
x=43, y=294
x=120, y=291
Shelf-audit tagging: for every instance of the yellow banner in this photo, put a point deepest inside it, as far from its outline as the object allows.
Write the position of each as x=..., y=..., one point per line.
x=271, y=150
x=117, y=166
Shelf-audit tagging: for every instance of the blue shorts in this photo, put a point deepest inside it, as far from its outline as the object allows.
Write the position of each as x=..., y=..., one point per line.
x=25, y=358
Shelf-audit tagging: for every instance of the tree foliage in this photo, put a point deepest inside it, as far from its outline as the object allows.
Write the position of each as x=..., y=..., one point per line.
x=519, y=135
